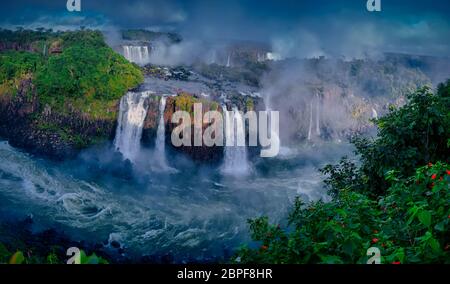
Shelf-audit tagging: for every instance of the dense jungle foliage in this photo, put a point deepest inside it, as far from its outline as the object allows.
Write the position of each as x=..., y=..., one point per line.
x=396, y=198
x=75, y=68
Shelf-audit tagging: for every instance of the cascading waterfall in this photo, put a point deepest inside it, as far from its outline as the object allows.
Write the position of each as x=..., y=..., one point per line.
x=235, y=160
x=310, y=121
x=133, y=110
x=160, y=145
x=374, y=113
x=260, y=58
x=213, y=58
x=229, y=60
x=318, y=116
x=136, y=54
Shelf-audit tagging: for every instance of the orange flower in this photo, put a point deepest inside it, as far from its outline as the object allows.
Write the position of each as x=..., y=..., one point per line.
x=264, y=247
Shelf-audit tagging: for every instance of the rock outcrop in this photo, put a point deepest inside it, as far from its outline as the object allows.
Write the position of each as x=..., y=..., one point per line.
x=38, y=129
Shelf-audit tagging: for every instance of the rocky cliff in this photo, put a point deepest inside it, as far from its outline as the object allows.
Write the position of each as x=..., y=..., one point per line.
x=27, y=124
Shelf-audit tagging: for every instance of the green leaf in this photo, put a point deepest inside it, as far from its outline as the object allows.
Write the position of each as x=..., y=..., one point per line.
x=17, y=258
x=330, y=259
x=440, y=226
x=425, y=217
x=434, y=244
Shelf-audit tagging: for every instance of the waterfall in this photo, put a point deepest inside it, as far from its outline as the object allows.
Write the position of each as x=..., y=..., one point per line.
x=318, y=116
x=213, y=57
x=229, y=60
x=260, y=57
x=136, y=54
x=160, y=145
x=235, y=160
x=133, y=110
x=374, y=113
x=311, y=117
x=310, y=121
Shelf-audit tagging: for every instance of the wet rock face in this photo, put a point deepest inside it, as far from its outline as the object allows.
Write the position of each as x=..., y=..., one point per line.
x=199, y=153
x=151, y=122
x=40, y=130
x=186, y=102
x=183, y=102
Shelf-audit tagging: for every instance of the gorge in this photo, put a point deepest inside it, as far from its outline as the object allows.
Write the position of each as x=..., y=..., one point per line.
x=115, y=178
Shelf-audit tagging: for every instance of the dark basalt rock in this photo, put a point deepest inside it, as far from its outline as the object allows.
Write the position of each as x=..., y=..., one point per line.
x=151, y=122
x=39, y=130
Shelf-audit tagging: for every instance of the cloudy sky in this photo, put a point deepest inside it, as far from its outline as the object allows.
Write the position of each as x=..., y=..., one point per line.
x=293, y=27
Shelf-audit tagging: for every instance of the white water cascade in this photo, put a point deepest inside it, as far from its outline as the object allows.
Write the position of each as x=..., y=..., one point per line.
x=317, y=118
x=136, y=54
x=310, y=121
x=235, y=160
x=160, y=145
x=133, y=110
x=229, y=60
x=374, y=113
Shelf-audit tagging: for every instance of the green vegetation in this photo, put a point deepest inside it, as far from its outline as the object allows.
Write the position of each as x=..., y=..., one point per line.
x=18, y=257
x=146, y=35
x=250, y=104
x=185, y=102
x=82, y=72
x=98, y=74
x=19, y=244
x=71, y=74
x=14, y=67
x=397, y=199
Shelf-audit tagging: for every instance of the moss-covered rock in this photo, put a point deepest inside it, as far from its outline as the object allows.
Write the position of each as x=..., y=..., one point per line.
x=65, y=99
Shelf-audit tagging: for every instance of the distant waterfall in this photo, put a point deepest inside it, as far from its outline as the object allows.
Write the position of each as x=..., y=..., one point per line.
x=260, y=57
x=310, y=121
x=318, y=116
x=136, y=54
x=235, y=160
x=374, y=113
x=213, y=58
x=229, y=60
x=133, y=110
x=160, y=146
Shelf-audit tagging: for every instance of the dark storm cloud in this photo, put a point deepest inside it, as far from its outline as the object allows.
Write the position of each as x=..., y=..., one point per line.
x=296, y=28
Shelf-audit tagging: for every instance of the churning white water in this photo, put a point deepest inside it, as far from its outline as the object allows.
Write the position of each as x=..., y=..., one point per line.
x=235, y=158
x=133, y=110
x=136, y=54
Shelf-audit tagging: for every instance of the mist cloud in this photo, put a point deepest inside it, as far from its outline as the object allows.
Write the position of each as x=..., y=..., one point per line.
x=294, y=28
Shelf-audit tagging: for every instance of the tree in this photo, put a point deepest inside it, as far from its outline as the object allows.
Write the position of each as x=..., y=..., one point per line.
x=396, y=200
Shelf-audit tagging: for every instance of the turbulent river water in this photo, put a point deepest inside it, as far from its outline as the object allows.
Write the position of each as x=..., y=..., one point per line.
x=194, y=213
